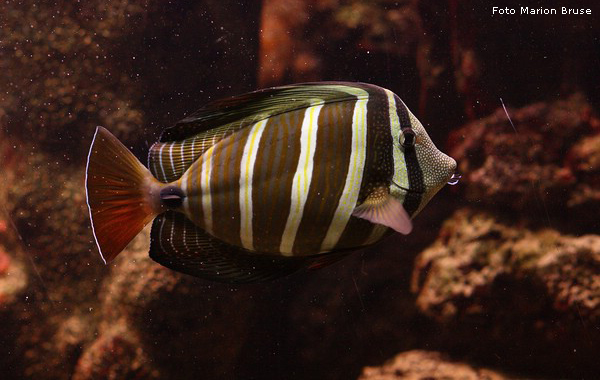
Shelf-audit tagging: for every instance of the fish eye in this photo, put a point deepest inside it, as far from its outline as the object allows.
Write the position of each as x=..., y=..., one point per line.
x=409, y=137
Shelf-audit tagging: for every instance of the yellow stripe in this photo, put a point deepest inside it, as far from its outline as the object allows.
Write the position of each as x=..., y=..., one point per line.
x=182, y=180
x=205, y=174
x=349, y=197
x=247, y=168
x=400, y=172
x=198, y=166
x=302, y=177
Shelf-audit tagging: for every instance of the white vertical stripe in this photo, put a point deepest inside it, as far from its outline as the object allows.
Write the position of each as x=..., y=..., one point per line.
x=400, y=173
x=172, y=239
x=246, y=174
x=152, y=160
x=160, y=162
x=184, y=188
x=184, y=180
x=171, y=156
x=349, y=197
x=160, y=234
x=184, y=238
x=195, y=187
x=302, y=178
x=205, y=173
x=194, y=148
x=182, y=155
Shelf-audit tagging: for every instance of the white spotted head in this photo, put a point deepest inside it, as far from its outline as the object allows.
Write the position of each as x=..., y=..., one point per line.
x=436, y=167
x=420, y=168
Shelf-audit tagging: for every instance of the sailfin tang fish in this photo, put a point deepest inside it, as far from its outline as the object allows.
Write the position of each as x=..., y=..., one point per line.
x=260, y=185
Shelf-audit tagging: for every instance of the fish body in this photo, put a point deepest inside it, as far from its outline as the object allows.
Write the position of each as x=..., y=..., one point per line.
x=260, y=185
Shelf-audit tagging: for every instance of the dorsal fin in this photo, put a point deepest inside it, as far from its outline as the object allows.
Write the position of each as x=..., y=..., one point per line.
x=249, y=108
x=169, y=160
x=180, y=145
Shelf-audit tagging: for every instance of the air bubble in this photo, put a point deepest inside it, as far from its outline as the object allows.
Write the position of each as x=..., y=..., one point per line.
x=454, y=179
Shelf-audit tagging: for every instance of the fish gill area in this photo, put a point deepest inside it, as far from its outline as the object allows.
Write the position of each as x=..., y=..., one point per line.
x=500, y=278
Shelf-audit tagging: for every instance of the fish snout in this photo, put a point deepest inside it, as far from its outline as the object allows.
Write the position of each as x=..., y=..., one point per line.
x=441, y=173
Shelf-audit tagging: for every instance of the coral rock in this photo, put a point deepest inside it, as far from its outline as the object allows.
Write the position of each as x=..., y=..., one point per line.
x=460, y=274
x=116, y=354
x=548, y=163
x=418, y=365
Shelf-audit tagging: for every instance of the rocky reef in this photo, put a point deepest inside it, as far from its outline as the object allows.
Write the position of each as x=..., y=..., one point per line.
x=500, y=278
x=415, y=365
x=542, y=163
x=521, y=262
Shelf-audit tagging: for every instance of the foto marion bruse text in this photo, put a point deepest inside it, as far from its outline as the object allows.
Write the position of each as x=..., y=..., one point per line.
x=541, y=11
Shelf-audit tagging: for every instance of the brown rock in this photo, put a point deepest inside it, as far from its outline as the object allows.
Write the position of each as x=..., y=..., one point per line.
x=331, y=39
x=72, y=67
x=13, y=278
x=545, y=166
x=60, y=81
x=525, y=299
x=459, y=275
x=419, y=365
x=145, y=312
x=115, y=354
x=136, y=66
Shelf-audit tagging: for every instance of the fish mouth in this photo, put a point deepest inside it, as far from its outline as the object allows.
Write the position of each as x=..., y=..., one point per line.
x=407, y=189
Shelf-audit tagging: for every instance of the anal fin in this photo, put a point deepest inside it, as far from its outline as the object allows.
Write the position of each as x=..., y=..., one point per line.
x=325, y=259
x=179, y=244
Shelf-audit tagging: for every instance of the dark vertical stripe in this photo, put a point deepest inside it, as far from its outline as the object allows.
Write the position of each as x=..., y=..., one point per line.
x=276, y=161
x=218, y=187
x=412, y=201
x=379, y=164
x=233, y=193
x=167, y=162
x=154, y=162
x=331, y=162
x=194, y=194
x=225, y=180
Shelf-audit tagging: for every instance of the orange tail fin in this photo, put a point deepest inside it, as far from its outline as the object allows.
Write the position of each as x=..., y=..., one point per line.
x=118, y=194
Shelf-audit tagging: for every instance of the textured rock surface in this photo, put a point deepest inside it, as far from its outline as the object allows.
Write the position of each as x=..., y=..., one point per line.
x=194, y=332
x=67, y=67
x=418, y=365
x=46, y=241
x=73, y=66
x=115, y=354
x=59, y=77
x=466, y=271
x=547, y=164
x=514, y=277
x=294, y=47
x=524, y=299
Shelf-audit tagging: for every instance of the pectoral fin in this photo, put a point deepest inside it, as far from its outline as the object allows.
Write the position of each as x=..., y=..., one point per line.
x=382, y=208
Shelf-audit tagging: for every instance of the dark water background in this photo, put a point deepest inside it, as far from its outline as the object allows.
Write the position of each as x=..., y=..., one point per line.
x=502, y=271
